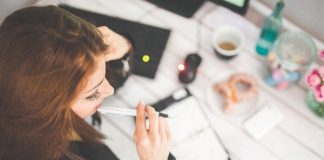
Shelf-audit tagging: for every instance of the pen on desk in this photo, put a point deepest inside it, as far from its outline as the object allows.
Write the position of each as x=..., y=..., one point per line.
x=126, y=112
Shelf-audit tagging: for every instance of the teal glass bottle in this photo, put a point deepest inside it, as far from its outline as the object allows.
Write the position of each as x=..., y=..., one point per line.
x=270, y=30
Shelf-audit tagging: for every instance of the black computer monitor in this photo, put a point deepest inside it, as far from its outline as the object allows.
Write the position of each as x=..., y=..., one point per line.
x=238, y=6
x=185, y=8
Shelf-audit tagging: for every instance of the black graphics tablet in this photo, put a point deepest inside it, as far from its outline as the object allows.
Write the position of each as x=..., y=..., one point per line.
x=238, y=6
x=148, y=41
x=185, y=8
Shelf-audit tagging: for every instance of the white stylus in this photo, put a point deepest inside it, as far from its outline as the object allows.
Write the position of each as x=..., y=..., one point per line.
x=126, y=112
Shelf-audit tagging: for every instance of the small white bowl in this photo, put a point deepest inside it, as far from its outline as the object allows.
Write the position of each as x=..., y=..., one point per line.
x=228, y=34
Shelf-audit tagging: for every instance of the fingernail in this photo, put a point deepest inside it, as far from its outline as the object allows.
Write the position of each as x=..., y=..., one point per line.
x=142, y=102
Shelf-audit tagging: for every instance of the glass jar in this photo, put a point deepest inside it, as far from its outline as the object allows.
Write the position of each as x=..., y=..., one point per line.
x=290, y=57
x=315, y=106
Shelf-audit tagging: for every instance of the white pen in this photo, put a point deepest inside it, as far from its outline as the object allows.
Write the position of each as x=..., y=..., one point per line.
x=126, y=112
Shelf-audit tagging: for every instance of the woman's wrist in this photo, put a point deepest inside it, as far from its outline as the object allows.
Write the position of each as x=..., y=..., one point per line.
x=129, y=45
x=129, y=41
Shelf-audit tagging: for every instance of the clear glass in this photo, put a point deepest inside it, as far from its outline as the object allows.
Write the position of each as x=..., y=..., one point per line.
x=290, y=57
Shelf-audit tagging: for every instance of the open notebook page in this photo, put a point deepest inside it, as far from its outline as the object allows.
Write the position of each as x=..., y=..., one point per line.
x=193, y=136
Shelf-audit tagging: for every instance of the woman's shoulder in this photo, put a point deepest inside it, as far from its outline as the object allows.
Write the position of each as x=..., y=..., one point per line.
x=92, y=150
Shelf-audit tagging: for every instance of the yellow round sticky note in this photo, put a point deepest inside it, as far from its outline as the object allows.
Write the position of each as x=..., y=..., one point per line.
x=146, y=58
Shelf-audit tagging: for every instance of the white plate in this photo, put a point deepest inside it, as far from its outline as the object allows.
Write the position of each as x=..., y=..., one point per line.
x=216, y=101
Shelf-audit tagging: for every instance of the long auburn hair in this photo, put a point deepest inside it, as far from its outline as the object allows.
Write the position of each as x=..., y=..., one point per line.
x=46, y=55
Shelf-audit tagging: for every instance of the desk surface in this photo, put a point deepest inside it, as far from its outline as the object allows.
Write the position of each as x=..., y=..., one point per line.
x=299, y=136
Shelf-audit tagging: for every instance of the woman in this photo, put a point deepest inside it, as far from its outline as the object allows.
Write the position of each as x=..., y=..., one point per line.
x=52, y=75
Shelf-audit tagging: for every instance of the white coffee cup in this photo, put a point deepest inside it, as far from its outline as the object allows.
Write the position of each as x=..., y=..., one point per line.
x=228, y=41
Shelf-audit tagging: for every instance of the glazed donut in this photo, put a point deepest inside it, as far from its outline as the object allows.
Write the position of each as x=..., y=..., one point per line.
x=245, y=80
x=223, y=89
x=232, y=92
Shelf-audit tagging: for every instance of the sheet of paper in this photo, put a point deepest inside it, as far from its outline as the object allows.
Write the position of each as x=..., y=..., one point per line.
x=193, y=136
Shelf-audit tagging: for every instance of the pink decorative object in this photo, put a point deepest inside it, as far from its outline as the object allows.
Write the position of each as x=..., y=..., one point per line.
x=319, y=93
x=314, y=78
x=321, y=71
x=322, y=55
x=282, y=85
x=277, y=75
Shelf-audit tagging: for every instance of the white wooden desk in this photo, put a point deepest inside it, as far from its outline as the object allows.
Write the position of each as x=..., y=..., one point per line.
x=300, y=136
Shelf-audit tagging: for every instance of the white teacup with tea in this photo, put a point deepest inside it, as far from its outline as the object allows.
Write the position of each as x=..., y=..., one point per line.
x=228, y=41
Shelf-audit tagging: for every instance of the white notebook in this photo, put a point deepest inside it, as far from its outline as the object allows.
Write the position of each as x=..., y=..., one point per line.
x=193, y=136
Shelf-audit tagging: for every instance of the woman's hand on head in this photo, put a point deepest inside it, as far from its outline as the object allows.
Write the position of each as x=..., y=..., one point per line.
x=153, y=143
x=118, y=45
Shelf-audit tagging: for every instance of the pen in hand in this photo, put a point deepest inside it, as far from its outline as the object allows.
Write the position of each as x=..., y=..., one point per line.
x=126, y=112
